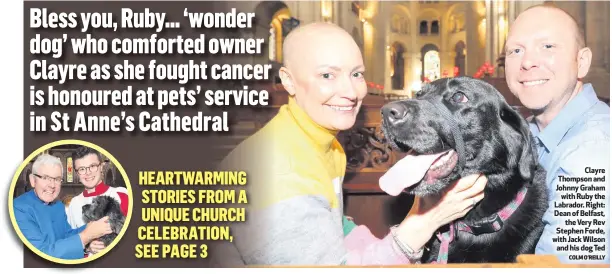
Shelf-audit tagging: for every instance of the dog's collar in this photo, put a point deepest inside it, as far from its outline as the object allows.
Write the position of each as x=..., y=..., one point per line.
x=492, y=224
x=454, y=128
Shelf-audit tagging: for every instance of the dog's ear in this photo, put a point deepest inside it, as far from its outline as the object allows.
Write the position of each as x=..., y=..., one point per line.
x=115, y=216
x=117, y=221
x=526, y=161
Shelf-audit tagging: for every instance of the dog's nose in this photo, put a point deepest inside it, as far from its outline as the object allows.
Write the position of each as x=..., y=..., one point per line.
x=394, y=112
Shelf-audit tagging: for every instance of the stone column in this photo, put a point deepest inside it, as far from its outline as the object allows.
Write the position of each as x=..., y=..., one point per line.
x=381, y=25
x=597, y=32
x=386, y=71
x=495, y=34
x=450, y=63
x=370, y=33
x=304, y=11
x=512, y=12
x=337, y=12
x=503, y=13
x=294, y=10
x=317, y=15
x=523, y=5
x=417, y=63
x=407, y=72
x=475, y=51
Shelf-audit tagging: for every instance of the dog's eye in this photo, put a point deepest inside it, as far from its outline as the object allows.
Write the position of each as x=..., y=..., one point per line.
x=459, y=97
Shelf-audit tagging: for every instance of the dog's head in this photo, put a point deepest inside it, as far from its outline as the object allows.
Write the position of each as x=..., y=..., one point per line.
x=104, y=206
x=495, y=139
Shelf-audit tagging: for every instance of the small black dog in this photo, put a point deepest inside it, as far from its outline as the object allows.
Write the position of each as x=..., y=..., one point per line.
x=105, y=206
x=461, y=126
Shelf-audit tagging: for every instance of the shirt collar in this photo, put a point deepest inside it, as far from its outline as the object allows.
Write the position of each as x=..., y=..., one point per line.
x=35, y=198
x=100, y=188
x=561, y=124
x=320, y=136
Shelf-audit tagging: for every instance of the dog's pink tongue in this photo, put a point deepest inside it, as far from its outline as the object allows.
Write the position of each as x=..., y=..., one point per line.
x=406, y=172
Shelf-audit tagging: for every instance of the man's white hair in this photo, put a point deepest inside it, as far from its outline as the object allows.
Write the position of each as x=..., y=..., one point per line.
x=46, y=159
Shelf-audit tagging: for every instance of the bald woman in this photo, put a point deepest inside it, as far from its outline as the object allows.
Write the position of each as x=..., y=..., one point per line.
x=296, y=166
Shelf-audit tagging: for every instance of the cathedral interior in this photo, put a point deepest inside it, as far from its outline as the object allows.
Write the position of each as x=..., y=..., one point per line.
x=421, y=41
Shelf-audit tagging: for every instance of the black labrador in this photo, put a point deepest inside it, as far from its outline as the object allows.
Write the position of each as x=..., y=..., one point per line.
x=471, y=124
x=105, y=206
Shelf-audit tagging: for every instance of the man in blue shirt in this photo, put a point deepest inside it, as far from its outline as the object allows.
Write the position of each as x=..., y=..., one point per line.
x=546, y=60
x=42, y=220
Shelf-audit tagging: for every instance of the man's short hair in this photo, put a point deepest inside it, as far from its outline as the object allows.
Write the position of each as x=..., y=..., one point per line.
x=580, y=37
x=83, y=151
x=46, y=159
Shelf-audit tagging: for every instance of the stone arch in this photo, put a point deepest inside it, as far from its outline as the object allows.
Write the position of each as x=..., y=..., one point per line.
x=399, y=24
x=423, y=27
x=397, y=66
x=425, y=19
x=429, y=13
x=450, y=11
x=270, y=17
x=435, y=27
x=430, y=62
x=454, y=17
x=403, y=10
x=400, y=20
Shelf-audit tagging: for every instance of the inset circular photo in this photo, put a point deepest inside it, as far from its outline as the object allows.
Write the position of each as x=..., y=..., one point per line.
x=70, y=202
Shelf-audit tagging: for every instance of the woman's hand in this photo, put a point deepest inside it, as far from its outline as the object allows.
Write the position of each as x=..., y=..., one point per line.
x=455, y=203
x=427, y=216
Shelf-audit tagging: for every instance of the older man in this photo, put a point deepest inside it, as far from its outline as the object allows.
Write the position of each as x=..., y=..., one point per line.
x=42, y=218
x=546, y=60
x=296, y=167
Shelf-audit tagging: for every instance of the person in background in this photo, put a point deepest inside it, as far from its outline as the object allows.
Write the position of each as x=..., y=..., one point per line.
x=545, y=67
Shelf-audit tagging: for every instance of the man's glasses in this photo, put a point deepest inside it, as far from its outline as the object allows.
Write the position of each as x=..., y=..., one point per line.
x=92, y=168
x=49, y=179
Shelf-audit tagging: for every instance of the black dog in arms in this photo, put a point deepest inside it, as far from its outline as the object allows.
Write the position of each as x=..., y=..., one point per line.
x=105, y=206
x=461, y=126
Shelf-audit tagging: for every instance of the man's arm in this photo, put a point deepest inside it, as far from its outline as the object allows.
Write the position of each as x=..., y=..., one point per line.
x=68, y=226
x=589, y=154
x=70, y=247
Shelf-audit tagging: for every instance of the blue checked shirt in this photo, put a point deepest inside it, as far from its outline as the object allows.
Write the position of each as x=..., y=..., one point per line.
x=577, y=138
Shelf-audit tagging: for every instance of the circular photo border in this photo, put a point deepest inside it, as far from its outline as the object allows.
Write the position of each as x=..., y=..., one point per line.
x=50, y=146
